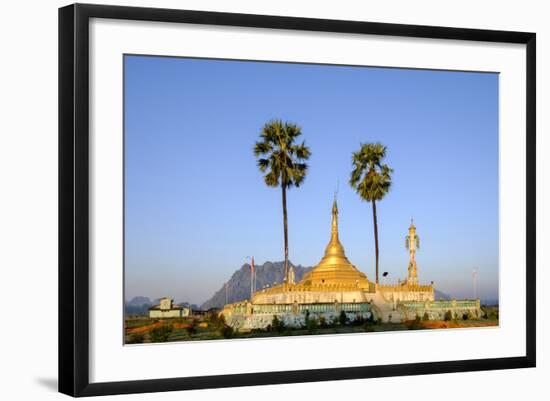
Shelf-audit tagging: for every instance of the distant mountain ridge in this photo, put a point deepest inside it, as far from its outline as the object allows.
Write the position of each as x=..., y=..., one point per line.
x=238, y=286
x=441, y=296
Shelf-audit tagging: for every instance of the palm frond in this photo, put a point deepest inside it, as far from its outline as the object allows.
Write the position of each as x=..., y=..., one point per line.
x=369, y=177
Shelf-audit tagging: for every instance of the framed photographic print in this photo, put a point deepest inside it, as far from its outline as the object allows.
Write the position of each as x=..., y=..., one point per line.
x=276, y=199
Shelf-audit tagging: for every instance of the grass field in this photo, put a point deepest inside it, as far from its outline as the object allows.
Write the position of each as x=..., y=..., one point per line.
x=211, y=327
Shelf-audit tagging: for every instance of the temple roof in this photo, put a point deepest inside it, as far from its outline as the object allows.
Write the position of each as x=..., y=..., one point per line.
x=334, y=267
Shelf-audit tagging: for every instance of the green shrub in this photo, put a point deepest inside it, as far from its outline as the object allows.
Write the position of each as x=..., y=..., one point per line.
x=322, y=321
x=277, y=324
x=192, y=328
x=371, y=319
x=160, y=334
x=227, y=332
x=311, y=324
x=465, y=316
x=448, y=316
x=137, y=338
x=426, y=316
x=343, y=318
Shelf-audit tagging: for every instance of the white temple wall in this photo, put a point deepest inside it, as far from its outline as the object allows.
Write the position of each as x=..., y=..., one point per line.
x=309, y=297
x=262, y=321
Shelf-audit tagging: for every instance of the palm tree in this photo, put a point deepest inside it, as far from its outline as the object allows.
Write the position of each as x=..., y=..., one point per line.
x=371, y=180
x=283, y=162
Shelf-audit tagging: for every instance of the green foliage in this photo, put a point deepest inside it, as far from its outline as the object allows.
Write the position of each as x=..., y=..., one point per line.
x=277, y=324
x=370, y=178
x=161, y=334
x=426, y=316
x=279, y=156
x=192, y=328
x=343, y=318
x=137, y=338
x=371, y=319
x=489, y=312
x=311, y=324
x=283, y=162
x=322, y=321
x=335, y=321
x=369, y=323
x=227, y=332
x=465, y=316
x=448, y=316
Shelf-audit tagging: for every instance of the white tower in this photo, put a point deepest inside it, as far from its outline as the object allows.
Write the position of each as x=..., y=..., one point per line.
x=412, y=243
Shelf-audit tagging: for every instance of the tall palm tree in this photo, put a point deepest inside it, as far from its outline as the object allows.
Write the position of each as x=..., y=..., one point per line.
x=283, y=162
x=371, y=180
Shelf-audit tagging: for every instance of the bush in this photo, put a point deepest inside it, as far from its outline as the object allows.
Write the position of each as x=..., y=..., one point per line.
x=227, y=332
x=311, y=324
x=160, y=334
x=136, y=339
x=334, y=321
x=277, y=324
x=426, y=316
x=306, y=318
x=343, y=318
x=322, y=321
x=448, y=316
x=371, y=319
x=465, y=316
x=192, y=328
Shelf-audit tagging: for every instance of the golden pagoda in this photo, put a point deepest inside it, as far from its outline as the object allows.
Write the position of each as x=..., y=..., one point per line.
x=335, y=268
x=336, y=286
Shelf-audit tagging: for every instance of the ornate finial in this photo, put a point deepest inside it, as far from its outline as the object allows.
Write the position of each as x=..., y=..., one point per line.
x=334, y=205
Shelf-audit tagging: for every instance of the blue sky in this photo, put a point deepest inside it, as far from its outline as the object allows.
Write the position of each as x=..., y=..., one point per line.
x=196, y=205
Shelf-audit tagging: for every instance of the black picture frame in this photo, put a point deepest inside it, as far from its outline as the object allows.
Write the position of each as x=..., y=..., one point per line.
x=74, y=198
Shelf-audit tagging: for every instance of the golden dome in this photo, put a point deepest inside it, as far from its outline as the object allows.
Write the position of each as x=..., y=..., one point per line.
x=335, y=268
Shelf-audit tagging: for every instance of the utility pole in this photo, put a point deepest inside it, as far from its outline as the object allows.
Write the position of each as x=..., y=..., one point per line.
x=474, y=279
x=252, y=276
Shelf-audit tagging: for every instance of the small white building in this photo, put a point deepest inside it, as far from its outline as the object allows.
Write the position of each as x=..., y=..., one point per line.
x=167, y=309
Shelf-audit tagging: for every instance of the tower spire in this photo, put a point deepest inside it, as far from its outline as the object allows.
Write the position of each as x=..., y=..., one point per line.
x=335, y=218
x=334, y=267
x=412, y=243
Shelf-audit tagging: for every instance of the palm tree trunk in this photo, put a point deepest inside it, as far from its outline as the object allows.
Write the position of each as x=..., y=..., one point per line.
x=375, y=236
x=285, y=224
